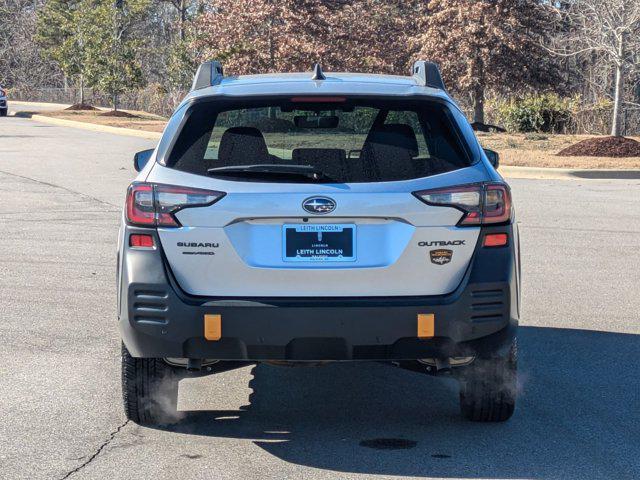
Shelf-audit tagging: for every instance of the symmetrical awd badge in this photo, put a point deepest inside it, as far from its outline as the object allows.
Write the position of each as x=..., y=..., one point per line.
x=198, y=245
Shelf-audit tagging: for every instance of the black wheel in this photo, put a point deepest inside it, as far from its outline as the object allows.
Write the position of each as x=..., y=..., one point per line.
x=3, y=112
x=488, y=388
x=149, y=390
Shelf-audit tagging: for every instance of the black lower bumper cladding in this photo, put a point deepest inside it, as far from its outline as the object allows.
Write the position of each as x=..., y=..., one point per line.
x=157, y=319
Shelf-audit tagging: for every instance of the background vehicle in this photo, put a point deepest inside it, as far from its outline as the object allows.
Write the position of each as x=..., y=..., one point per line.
x=4, y=106
x=314, y=218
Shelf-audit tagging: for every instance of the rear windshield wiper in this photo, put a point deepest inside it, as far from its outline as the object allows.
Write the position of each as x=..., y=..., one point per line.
x=270, y=171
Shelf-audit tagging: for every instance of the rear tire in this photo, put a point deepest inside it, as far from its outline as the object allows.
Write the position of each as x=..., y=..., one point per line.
x=488, y=388
x=3, y=112
x=149, y=390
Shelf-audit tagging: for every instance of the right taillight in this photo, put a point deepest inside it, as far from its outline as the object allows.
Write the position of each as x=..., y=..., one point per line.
x=497, y=203
x=155, y=205
x=481, y=203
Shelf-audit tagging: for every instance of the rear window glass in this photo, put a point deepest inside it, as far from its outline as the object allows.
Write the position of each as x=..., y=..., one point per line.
x=315, y=139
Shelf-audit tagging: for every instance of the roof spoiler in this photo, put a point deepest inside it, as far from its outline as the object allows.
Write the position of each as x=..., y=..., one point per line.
x=208, y=74
x=427, y=74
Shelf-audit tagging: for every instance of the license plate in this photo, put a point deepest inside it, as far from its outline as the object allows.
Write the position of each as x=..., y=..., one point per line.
x=319, y=243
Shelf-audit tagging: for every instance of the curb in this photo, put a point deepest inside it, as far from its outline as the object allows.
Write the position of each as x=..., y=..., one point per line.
x=38, y=104
x=94, y=127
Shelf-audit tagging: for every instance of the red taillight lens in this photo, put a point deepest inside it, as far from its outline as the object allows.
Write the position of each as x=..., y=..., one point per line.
x=141, y=241
x=140, y=205
x=497, y=203
x=495, y=240
x=154, y=205
x=482, y=203
x=465, y=198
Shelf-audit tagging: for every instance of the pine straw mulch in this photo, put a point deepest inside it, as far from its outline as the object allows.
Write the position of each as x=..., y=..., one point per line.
x=118, y=113
x=617, y=147
x=81, y=107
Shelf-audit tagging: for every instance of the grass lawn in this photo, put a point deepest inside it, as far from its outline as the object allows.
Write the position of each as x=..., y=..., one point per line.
x=142, y=121
x=529, y=150
x=539, y=150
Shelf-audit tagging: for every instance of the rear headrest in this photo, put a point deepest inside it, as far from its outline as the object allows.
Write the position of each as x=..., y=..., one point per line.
x=312, y=156
x=398, y=135
x=332, y=161
x=242, y=146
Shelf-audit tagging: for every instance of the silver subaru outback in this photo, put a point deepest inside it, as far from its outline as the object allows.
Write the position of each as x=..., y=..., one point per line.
x=318, y=217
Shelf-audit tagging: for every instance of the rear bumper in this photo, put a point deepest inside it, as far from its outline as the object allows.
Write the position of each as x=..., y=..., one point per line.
x=480, y=317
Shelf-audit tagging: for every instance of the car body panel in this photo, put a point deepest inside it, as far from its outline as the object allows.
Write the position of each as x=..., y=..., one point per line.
x=246, y=225
x=247, y=261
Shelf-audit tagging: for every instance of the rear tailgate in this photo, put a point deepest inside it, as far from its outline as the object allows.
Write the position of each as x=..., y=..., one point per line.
x=236, y=247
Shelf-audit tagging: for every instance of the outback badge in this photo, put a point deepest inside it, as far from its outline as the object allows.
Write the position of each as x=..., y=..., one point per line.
x=441, y=256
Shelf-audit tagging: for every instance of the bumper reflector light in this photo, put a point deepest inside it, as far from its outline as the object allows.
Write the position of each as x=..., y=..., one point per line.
x=495, y=240
x=141, y=241
x=213, y=327
x=426, y=325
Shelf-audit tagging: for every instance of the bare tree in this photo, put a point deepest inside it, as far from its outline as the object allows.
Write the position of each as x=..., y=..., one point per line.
x=609, y=29
x=253, y=36
x=21, y=63
x=182, y=7
x=488, y=46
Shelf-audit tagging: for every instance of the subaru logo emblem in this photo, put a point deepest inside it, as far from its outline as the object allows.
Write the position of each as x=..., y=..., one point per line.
x=319, y=205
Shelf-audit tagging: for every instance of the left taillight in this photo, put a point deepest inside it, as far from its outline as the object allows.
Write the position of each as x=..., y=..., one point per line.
x=481, y=203
x=155, y=205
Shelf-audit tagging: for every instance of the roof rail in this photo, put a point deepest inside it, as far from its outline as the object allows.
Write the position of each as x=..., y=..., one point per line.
x=208, y=74
x=427, y=74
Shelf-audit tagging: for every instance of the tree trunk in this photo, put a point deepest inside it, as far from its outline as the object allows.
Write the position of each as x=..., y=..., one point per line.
x=477, y=93
x=183, y=18
x=478, y=104
x=618, y=97
x=81, y=89
x=616, y=124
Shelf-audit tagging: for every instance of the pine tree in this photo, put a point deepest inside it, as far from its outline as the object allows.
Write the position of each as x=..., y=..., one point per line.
x=112, y=45
x=62, y=35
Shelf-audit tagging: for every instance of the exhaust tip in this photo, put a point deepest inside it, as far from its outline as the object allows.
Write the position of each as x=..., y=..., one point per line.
x=194, y=365
x=443, y=366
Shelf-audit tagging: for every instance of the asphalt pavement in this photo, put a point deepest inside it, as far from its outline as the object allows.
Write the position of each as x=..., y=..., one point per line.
x=61, y=192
